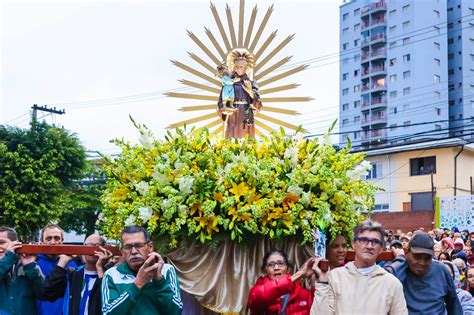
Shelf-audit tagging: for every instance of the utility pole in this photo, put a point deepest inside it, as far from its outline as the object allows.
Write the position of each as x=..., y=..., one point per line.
x=44, y=108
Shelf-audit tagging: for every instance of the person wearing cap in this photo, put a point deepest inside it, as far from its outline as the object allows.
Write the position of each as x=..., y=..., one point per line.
x=404, y=239
x=427, y=284
x=361, y=286
x=396, y=244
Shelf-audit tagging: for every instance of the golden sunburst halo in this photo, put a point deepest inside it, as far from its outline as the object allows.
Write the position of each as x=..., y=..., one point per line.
x=264, y=74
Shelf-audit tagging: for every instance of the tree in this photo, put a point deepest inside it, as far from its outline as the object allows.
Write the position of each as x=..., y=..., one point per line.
x=37, y=169
x=85, y=207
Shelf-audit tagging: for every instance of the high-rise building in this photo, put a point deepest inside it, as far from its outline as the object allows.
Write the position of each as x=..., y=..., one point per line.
x=403, y=63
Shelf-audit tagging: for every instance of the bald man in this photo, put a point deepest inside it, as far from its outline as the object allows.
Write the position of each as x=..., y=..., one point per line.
x=82, y=284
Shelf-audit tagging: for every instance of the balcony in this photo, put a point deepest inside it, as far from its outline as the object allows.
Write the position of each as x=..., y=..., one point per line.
x=365, y=73
x=378, y=6
x=378, y=102
x=378, y=87
x=365, y=26
x=377, y=70
x=365, y=56
x=365, y=10
x=378, y=38
x=379, y=119
x=365, y=122
x=378, y=22
x=365, y=42
x=378, y=54
x=375, y=135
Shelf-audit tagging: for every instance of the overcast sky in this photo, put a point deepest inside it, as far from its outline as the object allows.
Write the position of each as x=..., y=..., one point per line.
x=78, y=55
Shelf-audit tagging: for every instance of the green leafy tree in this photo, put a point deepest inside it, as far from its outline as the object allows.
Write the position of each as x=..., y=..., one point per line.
x=38, y=168
x=85, y=207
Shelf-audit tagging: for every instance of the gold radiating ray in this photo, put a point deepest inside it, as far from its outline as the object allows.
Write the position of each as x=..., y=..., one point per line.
x=196, y=73
x=258, y=132
x=283, y=75
x=277, y=65
x=260, y=29
x=231, y=25
x=192, y=121
x=210, y=125
x=202, y=63
x=219, y=25
x=204, y=48
x=197, y=107
x=200, y=86
x=215, y=43
x=241, y=22
x=265, y=44
x=250, y=27
x=280, y=122
x=280, y=110
x=274, y=52
x=286, y=99
x=279, y=89
x=264, y=126
x=192, y=96
x=218, y=130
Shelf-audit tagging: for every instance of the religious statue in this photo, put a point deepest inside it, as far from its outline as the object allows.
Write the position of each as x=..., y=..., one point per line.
x=237, y=110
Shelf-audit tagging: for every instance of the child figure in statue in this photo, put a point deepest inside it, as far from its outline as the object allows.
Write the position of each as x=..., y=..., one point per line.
x=228, y=92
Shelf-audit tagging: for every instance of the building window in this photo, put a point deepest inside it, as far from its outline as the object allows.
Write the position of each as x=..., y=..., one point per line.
x=345, y=31
x=345, y=122
x=345, y=60
x=356, y=73
x=345, y=46
x=344, y=76
x=451, y=71
x=345, y=91
x=406, y=74
x=406, y=41
x=437, y=127
x=423, y=166
x=450, y=40
x=356, y=88
x=406, y=91
x=357, y=27
x=393, y=78
x=393, y=94
x=393, y=29
x=451, y=88
x=437, y=94
x=356, y=135
x=356, y=12
x=405, y=8
x=438, y=111
x=381, y=207
x=393, y=110
x=406, y=124
x=356, y=104
x=437, y=62
x=436, y=78
x=437, y=29
x=357, y=119
x=450, y=56
x=392, y=13
x=376, y=171
x=393, y=62
x=356, y=42
x=345, y=106
x=406, y=58
x=406, y=24
x=393, y=45
x=421, y=201
x=345, y=16
x=451, y=102
x=406, y=107
x=436, y=46
x=393, y=127
x=450, y=25
x=436, y=14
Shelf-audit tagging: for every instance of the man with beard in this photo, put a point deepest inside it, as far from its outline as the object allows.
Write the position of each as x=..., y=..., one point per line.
x=81, y=285
x=427, y=284
x=143, y=284
x=360, y=287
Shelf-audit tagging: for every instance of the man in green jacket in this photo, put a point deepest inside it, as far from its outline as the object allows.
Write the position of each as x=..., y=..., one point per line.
x=143, y=284
x=21, y=279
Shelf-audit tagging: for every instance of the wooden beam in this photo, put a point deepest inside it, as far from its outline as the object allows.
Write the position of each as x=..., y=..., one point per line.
x=265, y=45
x=283, y=75
x=230, y=22
x=210, y=68
x=279, y=89
x=241, y=22
x=261, y=28
x=264, y=126
x=197, y=107
x=280, y=110
x=192, y=121
x=274, y=52
x=277, y=65
x=209, y=125
x=196, y=73
x=204, y=48
x=250, y=27
x=280, y=122
x=215, y=43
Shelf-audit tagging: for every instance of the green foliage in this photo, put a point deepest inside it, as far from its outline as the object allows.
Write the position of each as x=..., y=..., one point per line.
x=37, y=169
x=85, y=206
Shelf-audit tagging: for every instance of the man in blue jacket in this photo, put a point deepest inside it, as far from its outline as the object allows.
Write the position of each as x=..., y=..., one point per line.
x=427, y=284
x=52, y=234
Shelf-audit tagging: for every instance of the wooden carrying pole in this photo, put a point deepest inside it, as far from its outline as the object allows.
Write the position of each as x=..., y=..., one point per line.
x=64, y=249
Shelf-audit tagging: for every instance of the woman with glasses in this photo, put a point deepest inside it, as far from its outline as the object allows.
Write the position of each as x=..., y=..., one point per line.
x=278, y=292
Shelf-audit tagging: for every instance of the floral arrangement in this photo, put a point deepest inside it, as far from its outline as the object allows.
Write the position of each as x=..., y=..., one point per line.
x=202, y=186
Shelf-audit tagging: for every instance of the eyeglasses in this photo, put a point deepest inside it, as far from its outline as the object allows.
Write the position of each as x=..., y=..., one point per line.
x=128, y=247
x=280, y=263
x=365, y=241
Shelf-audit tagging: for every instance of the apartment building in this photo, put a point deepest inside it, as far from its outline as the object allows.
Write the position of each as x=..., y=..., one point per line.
x=396, y=83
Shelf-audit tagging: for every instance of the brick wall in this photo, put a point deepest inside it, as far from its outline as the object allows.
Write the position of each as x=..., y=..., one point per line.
x=406, y=221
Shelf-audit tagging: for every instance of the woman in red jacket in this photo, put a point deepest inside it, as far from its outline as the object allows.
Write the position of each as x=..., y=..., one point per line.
x=279, y=292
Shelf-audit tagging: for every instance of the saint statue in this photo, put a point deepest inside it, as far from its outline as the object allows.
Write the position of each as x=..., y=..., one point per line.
x=239, y=99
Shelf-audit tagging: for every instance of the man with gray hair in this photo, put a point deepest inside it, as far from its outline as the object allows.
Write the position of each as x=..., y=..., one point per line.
x=360, y=287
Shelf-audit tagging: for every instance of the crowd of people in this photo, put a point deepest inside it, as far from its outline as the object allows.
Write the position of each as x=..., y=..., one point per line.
x=432, y=273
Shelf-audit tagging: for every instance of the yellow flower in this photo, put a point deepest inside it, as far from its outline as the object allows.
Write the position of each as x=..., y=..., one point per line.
x=239, y=190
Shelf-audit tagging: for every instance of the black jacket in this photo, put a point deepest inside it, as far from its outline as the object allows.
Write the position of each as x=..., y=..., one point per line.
x=70, y=280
